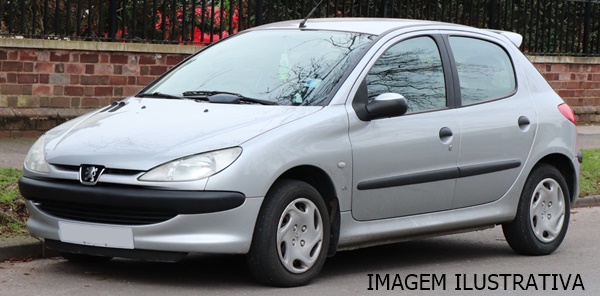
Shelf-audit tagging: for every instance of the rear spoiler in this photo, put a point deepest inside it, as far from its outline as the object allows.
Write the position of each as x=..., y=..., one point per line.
x=515, y=38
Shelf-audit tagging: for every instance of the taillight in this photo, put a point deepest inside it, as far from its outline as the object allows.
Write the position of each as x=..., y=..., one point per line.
x=567, y=112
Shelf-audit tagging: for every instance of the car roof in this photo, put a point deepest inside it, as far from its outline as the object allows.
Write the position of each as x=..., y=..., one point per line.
x=372, y=26
x=378, y=26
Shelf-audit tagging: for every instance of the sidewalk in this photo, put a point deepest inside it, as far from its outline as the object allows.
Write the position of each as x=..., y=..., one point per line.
x=13, y=153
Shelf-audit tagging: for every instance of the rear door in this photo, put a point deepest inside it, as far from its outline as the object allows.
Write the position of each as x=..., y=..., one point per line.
x=497, y=120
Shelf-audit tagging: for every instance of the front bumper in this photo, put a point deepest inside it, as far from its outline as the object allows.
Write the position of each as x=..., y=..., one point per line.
x=197, y=225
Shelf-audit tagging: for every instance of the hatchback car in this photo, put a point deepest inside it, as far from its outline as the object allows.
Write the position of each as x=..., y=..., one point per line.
x=292, y=141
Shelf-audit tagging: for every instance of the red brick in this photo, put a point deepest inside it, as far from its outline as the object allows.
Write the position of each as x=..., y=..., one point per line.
x=27, y=78
x=4, y=134
x=88, y=91
x=551, y=76
x=15, y=89
x=59, y=57
x=44, y=78
x=44, y=67
x=3, y=55
x=118, y=80
x=59, y=68
x=42, y=89
x=118, y=59
x=60, y=102
x=74, y=58
x=89, y=58
x=144, y=70
x=75, y=79
x=147, y=60
x=158, y=70
x=145, y=80
x=12, y=66
x=103, y=58
x=118, y=91
x=28, y=55
x=75, y=69
x=3, y=77
x=74, y=90
x=95, y=80
x=13, y=55
x=131, y=90
x=89, y=69
x=90, y=102
x=174, y=60
x=11, y=77
x=579, y=76
x=131, y=80
x=594, y=77
x=44, y=101
x=59, y=90
x=75, y=102
x=103, y=69
x=103, y=91
x=117, y=69
x=27, y=67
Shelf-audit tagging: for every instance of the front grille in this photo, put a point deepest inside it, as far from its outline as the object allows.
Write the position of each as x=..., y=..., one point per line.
x=104, y=214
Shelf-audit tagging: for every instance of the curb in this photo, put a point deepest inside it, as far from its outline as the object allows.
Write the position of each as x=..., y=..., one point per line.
x=27, y=247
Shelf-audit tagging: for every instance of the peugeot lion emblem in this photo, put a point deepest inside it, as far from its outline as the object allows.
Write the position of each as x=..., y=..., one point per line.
x=89, y=174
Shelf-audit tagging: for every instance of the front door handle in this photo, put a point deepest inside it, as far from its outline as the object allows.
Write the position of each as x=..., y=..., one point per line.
x=446, y=135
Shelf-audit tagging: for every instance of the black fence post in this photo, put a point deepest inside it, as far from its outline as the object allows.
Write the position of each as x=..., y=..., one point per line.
x=586, y=27
x=383, y=9
x=112, y=20
x=258, y=16
x=493, y=15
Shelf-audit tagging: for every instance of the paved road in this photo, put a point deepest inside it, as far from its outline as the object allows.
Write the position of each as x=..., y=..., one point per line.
x=473, y=254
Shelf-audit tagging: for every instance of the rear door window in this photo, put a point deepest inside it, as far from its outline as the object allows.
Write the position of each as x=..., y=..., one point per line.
x=485, y=71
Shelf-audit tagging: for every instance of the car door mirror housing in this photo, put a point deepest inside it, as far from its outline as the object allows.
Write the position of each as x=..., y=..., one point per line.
x=387, y=105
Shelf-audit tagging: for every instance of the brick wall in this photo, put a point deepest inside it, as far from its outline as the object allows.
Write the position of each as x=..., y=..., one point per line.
x=46, y=82
x=577, y=81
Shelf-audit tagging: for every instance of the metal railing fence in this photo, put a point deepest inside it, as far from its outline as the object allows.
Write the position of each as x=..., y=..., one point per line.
x=550, y=27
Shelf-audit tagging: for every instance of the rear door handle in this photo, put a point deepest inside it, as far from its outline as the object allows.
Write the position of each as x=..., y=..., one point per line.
x=523, y=123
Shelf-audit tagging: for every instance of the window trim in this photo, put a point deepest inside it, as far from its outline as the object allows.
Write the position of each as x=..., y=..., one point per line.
x=456, y=80
x=360, y=97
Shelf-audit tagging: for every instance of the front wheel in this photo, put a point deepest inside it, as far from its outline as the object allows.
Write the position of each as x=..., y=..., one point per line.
x=543, y=213
x=291, y=237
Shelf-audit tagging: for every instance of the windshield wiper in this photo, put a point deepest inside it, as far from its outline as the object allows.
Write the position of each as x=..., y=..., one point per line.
x=224, y=97
x=158, y=95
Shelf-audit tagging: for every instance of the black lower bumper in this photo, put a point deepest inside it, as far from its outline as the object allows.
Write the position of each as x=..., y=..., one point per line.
x=174, y=201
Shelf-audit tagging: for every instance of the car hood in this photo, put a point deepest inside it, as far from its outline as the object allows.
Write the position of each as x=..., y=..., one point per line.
x=141, y=133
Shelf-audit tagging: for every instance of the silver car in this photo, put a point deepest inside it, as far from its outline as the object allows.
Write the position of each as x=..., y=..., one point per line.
x=294, y=140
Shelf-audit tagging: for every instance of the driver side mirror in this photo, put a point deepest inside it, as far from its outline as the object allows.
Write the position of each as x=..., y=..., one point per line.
x=387, y=105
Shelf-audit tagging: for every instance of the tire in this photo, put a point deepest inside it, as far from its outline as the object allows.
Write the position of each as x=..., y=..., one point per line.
x=291, y=237
x=543, y=213
x=83, y=258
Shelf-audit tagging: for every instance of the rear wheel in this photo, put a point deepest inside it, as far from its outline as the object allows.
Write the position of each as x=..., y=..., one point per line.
x=543, y=214
x=291, y=237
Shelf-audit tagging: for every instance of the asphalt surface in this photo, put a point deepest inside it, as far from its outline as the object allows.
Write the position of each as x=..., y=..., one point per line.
x=13, y=151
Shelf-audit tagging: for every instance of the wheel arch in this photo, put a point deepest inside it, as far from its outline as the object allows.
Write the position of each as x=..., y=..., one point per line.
x=321, y=181
x=565, y=166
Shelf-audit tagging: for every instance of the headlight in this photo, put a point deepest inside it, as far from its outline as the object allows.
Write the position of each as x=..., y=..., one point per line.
x=193, y=167
x=35, y=159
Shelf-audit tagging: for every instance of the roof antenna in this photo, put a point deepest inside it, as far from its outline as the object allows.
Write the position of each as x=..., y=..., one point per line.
x=302, y=24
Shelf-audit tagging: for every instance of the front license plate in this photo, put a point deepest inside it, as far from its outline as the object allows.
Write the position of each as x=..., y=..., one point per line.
x=93, y=235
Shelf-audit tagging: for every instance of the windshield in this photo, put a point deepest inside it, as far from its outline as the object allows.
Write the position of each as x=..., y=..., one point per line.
x=285, y=67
